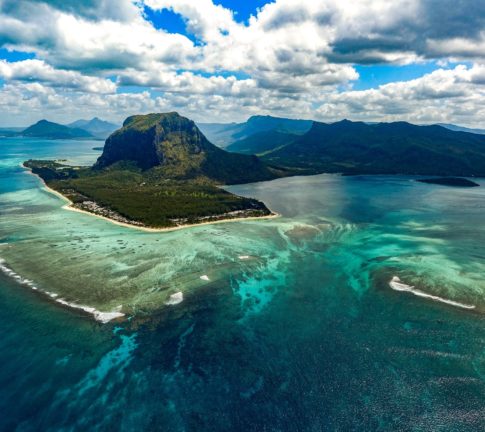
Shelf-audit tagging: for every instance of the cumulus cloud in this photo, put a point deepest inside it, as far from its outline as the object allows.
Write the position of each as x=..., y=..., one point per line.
x=290, y=58
x=189, y=83
x=452, y=95
x=70, y=40
x=204, y=19
x=39, y=71
x=120, y=10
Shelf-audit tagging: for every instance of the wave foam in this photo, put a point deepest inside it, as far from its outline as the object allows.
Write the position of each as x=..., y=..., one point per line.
x=103, y=317
x=176, y=298
x=397, y=285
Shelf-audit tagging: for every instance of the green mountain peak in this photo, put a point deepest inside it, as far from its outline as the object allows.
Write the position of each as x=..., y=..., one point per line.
x=174, y=147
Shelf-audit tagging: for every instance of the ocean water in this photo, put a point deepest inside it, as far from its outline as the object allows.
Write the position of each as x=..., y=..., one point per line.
x=290, y=324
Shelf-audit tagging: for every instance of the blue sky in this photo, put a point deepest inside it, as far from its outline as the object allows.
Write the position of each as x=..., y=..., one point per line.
x=243, y=9
x=413, y=60
x=370, y=75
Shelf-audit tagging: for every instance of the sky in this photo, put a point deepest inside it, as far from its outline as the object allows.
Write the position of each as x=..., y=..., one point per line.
x=421, y=61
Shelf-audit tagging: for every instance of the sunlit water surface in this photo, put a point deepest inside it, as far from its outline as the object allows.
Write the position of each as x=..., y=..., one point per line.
x=292, y=327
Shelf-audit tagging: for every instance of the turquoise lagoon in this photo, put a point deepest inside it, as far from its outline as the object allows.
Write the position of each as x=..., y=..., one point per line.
x=287, y=324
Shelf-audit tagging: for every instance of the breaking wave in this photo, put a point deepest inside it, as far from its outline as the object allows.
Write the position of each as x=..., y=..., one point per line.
x=397, y=285
x=103, y=317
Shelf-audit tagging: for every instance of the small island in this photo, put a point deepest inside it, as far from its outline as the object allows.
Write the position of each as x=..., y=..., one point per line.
x=450, y=181
x=159, y=172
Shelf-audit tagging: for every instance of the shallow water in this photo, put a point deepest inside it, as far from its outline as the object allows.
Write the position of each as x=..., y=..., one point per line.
x=302, y=334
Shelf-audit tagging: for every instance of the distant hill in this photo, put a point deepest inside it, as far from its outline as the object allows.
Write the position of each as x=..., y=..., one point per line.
x=224, y=135
x=176, y=148
x=10, y=131
x=262, y=142
x=219, y=134
x=97, y=127
x=462, y=129
x=384, y=148
x=47, y=129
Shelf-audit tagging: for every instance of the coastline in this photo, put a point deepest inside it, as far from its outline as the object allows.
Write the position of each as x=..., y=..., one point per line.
x=70, y=206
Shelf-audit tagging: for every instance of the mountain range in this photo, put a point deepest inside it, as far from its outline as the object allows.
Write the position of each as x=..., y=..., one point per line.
x=96, y=127
x=50, y=130
x=160, y=170
x=354, y=147
x=462, y=129
x=377, y=148
x=224, y=135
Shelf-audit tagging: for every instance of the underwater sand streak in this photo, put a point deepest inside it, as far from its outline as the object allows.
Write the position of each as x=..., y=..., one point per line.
x=397, y=285
x=103, y=317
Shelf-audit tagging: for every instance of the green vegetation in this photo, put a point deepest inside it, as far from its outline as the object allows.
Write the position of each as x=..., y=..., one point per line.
x=384, y=148
x=47, y=129
x=450, y=181
x=145, y=197
x=159, y=171
x=175, y=147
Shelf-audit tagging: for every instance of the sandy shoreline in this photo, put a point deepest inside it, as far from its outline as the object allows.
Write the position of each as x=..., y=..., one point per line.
x=70, y=206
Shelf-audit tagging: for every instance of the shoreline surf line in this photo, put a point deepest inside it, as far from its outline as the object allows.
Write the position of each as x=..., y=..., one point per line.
x=397, y=285
x=103, y=317
x=70, y=206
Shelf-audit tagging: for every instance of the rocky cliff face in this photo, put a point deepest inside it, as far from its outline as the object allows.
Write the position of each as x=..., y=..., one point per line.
x=172, y=146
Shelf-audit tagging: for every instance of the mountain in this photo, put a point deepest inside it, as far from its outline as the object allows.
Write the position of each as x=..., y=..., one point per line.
x=97, y=127
x=384, y=148
x=224, y=135
x=159, y=170
x=175, y=148
x=220, y=134
x=47, y=129
x=262, y=142
x=462, y=129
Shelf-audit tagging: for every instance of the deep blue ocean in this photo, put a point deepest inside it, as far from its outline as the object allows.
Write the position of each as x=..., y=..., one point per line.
x=296, y=326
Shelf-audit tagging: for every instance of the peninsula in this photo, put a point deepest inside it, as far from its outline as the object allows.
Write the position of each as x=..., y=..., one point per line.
x=450, y=181
x=159, y=172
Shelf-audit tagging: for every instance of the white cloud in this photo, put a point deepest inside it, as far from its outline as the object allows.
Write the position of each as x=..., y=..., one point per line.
x=39, y=71
x=288, y=59
x=453, y=95
x=188, y=82
x=204, y=19
x=72, y=41
x=446, y=95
